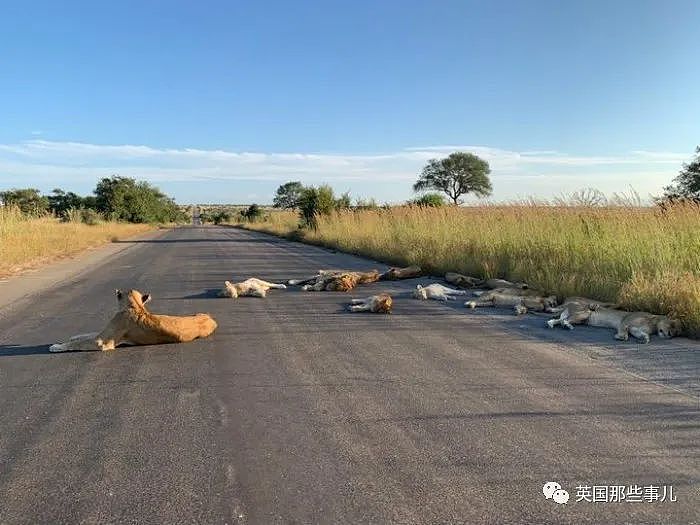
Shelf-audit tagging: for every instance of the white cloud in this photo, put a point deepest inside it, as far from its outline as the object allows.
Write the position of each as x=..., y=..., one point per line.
x=543, y=173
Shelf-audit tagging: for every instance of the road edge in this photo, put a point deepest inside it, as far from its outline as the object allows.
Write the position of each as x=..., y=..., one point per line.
x=16, y=290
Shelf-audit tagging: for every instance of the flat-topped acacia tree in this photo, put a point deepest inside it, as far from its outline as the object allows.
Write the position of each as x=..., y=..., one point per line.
x=458, y=174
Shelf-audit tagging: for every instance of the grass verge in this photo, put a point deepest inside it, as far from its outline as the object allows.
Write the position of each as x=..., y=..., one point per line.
x=27, y=243
x=644, y=257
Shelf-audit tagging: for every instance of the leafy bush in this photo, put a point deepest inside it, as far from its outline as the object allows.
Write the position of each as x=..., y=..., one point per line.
x=287, y=195
x=90, y=217
x=61, y=202
x=252, y=213
x=434, y=200
x=126, y=199
x=82, y=216
x=343, y=202
x=221, y=217
x=28, y=200
x=686, y=185
x=315, y=202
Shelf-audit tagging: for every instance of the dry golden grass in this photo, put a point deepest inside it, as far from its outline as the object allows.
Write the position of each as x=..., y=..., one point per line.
x=26, y=243
x=641, y=256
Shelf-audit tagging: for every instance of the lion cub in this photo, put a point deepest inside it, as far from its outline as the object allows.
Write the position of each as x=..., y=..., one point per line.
x=134, y=324
x=377, y=304
x=436, y=292
x=252, y=287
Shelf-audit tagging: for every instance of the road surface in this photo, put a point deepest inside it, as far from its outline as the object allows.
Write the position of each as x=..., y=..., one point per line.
x=298, y=412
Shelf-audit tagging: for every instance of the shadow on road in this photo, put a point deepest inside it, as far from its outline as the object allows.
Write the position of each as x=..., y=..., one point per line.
x=12, y=350
x=210, y=293
x=195, y=240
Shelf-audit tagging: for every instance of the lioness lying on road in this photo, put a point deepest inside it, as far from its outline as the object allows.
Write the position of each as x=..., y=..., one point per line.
x=641, y=325
x=437, y=292
x=394, y=274
x=336, y=280
x=465, y=281
x=252, y=287
x=521, y=300
x=134, y=324
x=319, y=274
x=575, y=310
x=378, y=304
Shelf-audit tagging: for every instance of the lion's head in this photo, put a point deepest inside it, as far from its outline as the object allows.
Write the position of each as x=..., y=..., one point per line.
x=420, y=292
x=344, y=282
x=131, y=299
x=384, y=304
x=668, y=328
x=550, y=301
x=229, y=290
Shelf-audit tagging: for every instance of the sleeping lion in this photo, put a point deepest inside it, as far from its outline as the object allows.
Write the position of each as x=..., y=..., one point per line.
x=436, y=292
x=336, y=280
x=377, y=304
x=133, y=324
x=466, y=281
x=522, y=300
x=252, y=287
x=395, y=274
x=640, y=325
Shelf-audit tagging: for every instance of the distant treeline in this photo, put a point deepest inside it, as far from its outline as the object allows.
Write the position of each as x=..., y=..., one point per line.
x=114, y=199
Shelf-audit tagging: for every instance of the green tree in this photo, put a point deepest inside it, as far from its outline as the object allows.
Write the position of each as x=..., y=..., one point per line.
x=456, y=175
x=125, y=199
x=287, y=195
x=315, y=202
x=60, y=202
x=343, y=202
x=430, y=200
x=28, y=200
x=252, y=213
x=687, y=182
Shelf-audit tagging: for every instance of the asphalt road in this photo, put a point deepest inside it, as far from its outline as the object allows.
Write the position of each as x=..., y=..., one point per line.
x=296, y=411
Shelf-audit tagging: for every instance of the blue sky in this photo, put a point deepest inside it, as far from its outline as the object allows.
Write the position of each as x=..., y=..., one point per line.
x=224, y=101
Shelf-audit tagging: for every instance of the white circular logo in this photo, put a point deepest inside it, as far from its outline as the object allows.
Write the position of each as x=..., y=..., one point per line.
x=550, y=488
x=560, y=496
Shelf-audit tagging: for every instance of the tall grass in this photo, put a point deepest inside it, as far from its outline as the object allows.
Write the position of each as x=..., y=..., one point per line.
x=644, y=257
x=28, y=242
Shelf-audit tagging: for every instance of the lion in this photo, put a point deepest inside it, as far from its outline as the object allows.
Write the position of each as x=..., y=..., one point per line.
x=522, y=300
x=340, y=282
x=252, y=287
x=575, y=310
x=436, y=292
x=133, y=324
x=378, y=304
x=641, y=325
x=465, y=281
x=395, y=274
x=319, y=274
